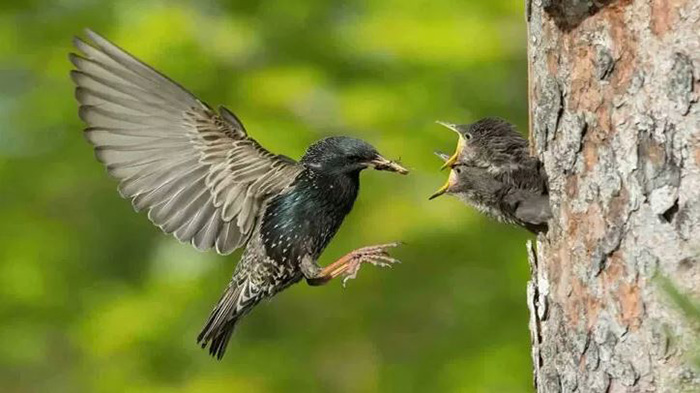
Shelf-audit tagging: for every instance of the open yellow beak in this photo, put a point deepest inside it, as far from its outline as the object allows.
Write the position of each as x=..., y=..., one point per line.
x=451, y=181
x=441, y=190
x=460, y=145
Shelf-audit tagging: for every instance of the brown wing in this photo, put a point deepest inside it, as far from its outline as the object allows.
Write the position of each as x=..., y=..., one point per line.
x=195, y=171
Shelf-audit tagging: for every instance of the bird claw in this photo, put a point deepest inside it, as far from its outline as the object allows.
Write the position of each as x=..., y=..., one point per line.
x=376, y=255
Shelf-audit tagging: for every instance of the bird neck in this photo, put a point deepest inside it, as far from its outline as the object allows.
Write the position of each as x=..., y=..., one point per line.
x=337, y=188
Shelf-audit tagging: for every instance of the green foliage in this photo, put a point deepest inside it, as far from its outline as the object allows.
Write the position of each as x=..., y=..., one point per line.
x=684, y=302
x=690, y=309
x=93, y=298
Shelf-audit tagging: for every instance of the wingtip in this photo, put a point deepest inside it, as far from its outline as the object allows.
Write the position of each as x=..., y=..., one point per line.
x=97, y=39
x=72, y=57
x=83, y=111
x=79, y=95
x=83, y=45
x=90, y=32
x=74, y=75
x=87, y=32
x=79, y=43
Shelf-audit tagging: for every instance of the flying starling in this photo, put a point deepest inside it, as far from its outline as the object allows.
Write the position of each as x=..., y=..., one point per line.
x=202, y=179
x=492, y=171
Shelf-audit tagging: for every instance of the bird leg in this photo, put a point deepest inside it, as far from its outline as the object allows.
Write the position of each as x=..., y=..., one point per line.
x=349, y=265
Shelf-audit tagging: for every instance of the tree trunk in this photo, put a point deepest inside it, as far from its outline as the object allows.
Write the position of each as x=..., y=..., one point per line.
x=614, y=118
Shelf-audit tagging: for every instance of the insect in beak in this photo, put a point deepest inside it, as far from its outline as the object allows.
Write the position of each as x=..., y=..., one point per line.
x=382, y=164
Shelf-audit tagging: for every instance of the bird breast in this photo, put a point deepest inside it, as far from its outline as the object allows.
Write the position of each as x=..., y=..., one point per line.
x=303, y=220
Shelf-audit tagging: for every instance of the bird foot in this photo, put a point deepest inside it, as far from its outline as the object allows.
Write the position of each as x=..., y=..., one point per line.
x=376, y=255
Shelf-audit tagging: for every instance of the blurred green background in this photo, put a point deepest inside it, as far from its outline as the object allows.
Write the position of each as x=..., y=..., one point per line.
x=93, y=298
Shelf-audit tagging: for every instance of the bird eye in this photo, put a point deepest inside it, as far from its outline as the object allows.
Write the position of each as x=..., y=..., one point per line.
x=467, y=136
x=458, y=169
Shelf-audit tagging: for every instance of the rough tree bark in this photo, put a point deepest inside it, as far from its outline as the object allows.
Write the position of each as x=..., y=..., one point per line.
x=614, y=117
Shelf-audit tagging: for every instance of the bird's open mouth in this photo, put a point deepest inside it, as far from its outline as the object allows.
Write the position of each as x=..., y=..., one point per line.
x=451, y=180
x=460, y=144
x=382, y=164
x=440, y=191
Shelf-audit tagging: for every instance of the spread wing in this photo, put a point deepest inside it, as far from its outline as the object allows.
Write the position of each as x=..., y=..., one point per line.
x=195, y=171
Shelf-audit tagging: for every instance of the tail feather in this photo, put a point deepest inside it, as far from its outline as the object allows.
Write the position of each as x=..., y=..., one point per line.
x=236, y=302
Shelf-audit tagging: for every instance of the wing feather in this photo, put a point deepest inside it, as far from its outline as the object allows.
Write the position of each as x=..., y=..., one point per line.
x=195, y=171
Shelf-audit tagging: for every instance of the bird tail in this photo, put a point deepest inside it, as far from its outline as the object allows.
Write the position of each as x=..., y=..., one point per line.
x=238, y=299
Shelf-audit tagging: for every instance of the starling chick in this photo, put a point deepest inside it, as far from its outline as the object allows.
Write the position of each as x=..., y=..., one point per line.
x=201, y=178
x=492, y=171
x=491, y=143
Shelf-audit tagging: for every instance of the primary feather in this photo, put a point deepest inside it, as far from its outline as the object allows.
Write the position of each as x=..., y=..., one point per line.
x=195, y=171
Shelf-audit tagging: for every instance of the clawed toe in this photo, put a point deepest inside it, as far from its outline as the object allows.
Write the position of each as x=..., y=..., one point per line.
x=351, y=272
x=378, y=249
x=383, y=260
x=376, y=255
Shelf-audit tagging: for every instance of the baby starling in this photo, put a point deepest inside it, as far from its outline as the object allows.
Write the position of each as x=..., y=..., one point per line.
x=492, y=171
x=490, y=143
x=201, y=178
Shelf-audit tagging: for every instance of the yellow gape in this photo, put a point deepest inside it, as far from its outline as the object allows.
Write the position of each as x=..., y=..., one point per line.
x=461, y=143
x=441, y=190
x=451, y=180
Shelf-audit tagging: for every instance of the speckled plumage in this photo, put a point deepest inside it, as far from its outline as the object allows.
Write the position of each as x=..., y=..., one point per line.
x=296, y=224
x=201, y=178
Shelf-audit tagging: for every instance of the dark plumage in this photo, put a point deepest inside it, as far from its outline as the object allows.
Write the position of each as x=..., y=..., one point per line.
x=492, y=171
x=201, y=178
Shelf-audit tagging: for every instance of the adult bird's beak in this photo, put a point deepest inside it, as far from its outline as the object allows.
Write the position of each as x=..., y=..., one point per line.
x=460, y=144
x=382, y=164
